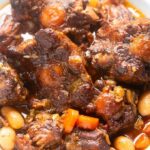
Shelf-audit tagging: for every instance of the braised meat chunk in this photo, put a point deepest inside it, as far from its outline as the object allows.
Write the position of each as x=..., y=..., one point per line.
x=9, y=32
x=44, y=131
x=26, y=12
x=63, y=69
x=75, y=18
x=23, y=142
x=115, y=12
x=56, y=69
x=122, y=53
x=11, y=87
x=140, y=42
x=116, y=105
x=86, y=140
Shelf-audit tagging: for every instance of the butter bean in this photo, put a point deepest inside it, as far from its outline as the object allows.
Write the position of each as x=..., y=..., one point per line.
x=123, y=143
x=144, y=104
x=13, y=117
x=142, y=141
x=146, y=128
x=148, y=148
x=7, y=138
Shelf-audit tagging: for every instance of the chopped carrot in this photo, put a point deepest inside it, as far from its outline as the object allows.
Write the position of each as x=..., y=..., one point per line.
x=93, y=3
x=87, y=122
x=52, y=16
x=70, y=119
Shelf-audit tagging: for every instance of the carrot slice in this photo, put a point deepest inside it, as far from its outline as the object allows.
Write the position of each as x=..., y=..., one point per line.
x=93, y=3
x=87, y=122
x=70, y=119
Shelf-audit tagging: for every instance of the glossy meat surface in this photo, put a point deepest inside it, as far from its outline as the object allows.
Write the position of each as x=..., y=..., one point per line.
x=117, y=106
x=115, y=12
x=122, y=53
x=12, y=90
x=87, y=140
x=56, y=69
x=74, y=18
x=44, y=132
x=9, y=32
x=72, y=73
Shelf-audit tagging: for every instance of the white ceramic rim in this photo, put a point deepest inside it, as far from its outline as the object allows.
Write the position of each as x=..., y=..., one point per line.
x=143, y=5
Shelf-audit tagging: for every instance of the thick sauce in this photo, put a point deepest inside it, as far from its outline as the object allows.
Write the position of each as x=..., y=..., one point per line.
x=142, y=126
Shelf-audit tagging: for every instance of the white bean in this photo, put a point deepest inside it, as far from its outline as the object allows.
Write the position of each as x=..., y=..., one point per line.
x=123, y=143
x=148, y=148
x=7, y=138
x=13, y=117
x=144, y=104
x=142, y=141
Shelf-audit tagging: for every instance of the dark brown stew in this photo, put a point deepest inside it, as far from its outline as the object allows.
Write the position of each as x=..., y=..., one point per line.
x=74, y=75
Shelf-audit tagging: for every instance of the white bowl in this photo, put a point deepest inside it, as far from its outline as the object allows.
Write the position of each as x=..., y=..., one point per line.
x=143, y=5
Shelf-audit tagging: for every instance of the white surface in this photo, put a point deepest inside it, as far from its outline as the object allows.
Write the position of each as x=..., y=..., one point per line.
x=143, y=5
x=3, y=2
